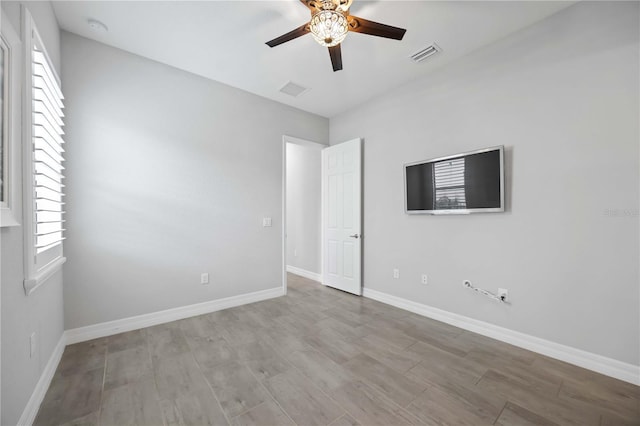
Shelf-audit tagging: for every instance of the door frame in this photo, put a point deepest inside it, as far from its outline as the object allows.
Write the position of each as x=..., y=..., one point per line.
x=297, y=141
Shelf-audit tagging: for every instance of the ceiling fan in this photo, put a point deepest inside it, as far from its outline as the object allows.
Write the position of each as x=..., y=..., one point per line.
x=329, y=25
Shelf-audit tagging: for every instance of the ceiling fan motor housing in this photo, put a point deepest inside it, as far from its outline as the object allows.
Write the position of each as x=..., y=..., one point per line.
x=329, y=27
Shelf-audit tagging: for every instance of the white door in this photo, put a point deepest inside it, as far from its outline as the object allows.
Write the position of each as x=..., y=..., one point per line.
x=342, y=216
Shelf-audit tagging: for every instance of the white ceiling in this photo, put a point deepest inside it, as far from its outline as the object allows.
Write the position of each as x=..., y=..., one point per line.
x=225, y=41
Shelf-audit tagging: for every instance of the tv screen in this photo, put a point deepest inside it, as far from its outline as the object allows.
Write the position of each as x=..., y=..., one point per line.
x=464, y=183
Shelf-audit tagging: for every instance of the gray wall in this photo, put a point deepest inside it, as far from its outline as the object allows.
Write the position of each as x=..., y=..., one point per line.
x=168, y=175
x=304, y=206
x=562, y=96
x=42, y=312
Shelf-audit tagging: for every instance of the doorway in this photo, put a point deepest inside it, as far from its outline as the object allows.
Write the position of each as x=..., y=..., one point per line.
x=302, y=209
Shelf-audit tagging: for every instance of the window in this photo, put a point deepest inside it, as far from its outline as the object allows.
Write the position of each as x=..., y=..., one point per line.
x=44, y=190
x=449, y=184
x=9, y=122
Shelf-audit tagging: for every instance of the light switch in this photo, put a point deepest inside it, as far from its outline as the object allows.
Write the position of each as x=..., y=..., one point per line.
x=266, y=221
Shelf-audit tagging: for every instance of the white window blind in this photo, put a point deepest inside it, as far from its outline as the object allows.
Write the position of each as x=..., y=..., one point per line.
x=43, y=159
x=449, y=184
x=48, y=204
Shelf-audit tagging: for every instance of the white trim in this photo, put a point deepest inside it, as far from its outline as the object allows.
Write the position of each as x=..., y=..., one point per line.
x=29, y=257
x=110, y=328
x=304, y=273
x=31, y=410
x=10, y=157
x=323, y=189
x=30, y=284
x=284, y=213
x=309, y=144
x=601, y=364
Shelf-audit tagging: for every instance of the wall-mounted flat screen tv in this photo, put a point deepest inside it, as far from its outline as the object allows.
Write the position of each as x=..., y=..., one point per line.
x=471, y=182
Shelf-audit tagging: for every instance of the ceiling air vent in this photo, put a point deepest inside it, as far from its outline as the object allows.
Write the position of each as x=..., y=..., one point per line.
x=293, y=89
x=423, y=54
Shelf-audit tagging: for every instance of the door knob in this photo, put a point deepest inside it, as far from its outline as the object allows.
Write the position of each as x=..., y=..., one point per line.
x=355, y=236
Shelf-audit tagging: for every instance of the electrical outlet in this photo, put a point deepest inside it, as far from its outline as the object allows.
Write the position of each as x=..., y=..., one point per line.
x=295, y=252
x=425, y=279
x=204, y=278
x=32, y=345
x=266, y=222
x=503, y=294
x=396, y=273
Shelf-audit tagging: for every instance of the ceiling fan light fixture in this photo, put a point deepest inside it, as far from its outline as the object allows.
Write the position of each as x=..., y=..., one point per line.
x=329, y=27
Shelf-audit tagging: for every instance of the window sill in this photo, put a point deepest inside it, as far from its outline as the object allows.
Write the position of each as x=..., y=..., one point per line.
x=32, y=283
x=7, y=219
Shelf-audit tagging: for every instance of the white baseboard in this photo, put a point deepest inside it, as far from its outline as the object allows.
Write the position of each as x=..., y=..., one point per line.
x=33, y=405
x=598, y=363
x=82, y=334
x=304, y=273
x=110, y=328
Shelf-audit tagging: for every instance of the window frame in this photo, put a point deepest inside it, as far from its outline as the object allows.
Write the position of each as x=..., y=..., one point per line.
x=10, y=138
x=38, y=269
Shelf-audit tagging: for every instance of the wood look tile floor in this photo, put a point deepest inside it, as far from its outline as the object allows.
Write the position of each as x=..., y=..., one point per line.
x=319, y=356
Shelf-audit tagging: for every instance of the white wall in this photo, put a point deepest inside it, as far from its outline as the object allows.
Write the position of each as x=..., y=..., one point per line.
x=562, y=96
x=304, y=209
x=42, y=312
x=168, y=175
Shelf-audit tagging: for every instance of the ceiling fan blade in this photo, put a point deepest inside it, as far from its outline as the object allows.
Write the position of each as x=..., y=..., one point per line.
x=336, y=57
x=300, y=31
x=360, y=25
